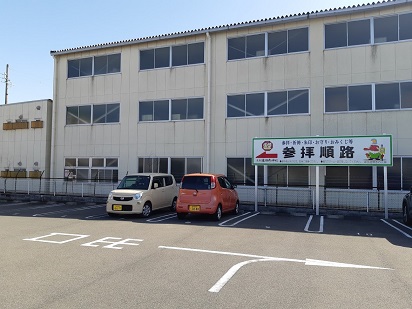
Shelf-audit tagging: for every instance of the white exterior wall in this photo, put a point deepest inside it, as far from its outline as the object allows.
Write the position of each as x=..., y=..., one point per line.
x=21, y=148
x=315, y=70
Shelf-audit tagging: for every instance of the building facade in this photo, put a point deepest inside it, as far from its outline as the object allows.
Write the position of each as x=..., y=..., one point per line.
x=194, y=101
x=25, y=139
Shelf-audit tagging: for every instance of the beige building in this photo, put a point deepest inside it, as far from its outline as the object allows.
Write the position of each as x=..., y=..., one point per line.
x=25, y=139
x=193, y=101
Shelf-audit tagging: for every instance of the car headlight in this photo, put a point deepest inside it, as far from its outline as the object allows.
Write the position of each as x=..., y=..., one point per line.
x=110, y=196
x=137, y=196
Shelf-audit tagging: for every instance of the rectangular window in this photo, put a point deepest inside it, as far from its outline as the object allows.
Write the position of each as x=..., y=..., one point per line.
x=187, y=109
x=277, y=103
x=101, y=169
x=107, y=64
x=106, y=113
x=386, y=29
x=178, y=166
x=246, y=105
x=277, y=43
x=352, y=98
x=280, y=42
x=387, y=96
x=255, y=45
x=154, y=110
x=350, y=33
x=360, y=98
x=406, y=94
x=94, y=66
x=79, y=67
x=236, y=48
x=298, y=40
x=180, y=109
x=405, y=26
x=180, y=55
x=240, y=171
x=188, y=54
x=78, y=114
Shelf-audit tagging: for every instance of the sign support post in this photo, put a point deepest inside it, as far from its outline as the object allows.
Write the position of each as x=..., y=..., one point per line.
x=256, y=188
x=317, y=190
x=385, y=187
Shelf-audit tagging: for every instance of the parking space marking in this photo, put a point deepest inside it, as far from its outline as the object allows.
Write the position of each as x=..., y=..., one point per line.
x=96, y=216
x=236, y=222
x=398, y=229
x=65, y=211
x=320, y=225
x=58, y=235
x=258, y=258
x=113, y=244
x=162, y=218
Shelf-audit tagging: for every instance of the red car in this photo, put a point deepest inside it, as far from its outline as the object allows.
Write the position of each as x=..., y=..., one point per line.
x=211, y=194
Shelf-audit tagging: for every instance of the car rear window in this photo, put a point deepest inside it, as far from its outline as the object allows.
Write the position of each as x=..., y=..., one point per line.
x=196, y=182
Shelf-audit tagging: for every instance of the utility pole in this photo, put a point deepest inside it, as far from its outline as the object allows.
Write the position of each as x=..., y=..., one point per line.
x=6, y=81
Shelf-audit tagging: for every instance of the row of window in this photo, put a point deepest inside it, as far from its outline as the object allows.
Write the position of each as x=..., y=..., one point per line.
x=88, y=114
x=269, y=43
x=240, y=171
x=268, y=103
x=177, y=166
x=176, y=109
x=172, y=56
x=369, y=97
x=94, y=169
x=369, y=31
x=387, y=96
x=349, y=33
x=96, y=65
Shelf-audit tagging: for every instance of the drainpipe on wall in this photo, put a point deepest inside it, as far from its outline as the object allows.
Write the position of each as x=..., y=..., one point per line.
x=53, y=129
x=208, y=107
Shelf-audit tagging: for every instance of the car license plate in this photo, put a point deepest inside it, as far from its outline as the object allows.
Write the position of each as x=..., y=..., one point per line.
x=117, y=207
x=194, y=208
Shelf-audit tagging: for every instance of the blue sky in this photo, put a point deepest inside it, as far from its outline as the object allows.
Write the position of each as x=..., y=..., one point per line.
x=32, y=28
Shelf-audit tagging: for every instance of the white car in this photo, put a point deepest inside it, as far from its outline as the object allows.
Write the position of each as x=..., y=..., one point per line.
x=141, y=193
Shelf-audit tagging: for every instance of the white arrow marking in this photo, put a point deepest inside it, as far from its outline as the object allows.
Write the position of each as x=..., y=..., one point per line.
x=258, y=258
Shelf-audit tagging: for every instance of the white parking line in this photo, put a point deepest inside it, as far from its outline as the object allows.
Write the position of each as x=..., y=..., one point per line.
x=162, y=218
x=398, y=229
x=236, y=222
x=320, y=225
x=65, y=210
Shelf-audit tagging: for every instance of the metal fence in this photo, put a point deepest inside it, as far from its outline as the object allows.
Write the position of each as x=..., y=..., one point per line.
x=55, y=187
x=330, y=198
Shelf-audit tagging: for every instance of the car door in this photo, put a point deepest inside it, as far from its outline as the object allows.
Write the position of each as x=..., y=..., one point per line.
x=224, y=193
x=231, y=193
x=158, y=194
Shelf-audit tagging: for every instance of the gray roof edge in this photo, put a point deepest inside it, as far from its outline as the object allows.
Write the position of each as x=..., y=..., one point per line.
x=253, y=23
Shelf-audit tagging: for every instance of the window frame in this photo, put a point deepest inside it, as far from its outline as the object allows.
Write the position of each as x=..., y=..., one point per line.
x=266, y=52
x=93, y=66
x=266, y=95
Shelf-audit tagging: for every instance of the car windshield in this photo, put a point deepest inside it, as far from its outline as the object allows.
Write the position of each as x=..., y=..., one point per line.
x=135, y=182
x=196, y=182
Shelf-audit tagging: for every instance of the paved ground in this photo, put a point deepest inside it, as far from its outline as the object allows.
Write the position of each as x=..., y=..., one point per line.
x=56, y=255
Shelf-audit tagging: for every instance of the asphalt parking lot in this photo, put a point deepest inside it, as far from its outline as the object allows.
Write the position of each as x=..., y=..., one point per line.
x=56, y=255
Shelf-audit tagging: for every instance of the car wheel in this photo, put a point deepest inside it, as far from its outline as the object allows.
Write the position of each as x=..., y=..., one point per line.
x=218, y=214
x=173, y=206
x=406, y=218
x=147, y=210
x=236, y=210
x=181, y=215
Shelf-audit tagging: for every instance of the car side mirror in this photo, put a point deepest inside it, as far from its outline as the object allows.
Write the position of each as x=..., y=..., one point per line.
x=234, y=186
x=155, y=185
